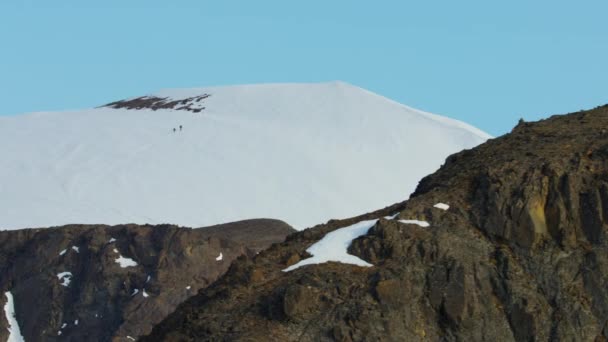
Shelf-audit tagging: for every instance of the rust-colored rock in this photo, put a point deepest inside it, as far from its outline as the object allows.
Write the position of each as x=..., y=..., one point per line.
x=521, y=255
x=103, y=300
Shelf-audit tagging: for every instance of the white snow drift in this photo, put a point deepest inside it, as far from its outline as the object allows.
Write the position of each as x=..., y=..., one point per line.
x=442, y=206
x=14, y=333
x=303, y=153
x=334, y=245
x=417, y=222
x=125, y=262
x=65, y=278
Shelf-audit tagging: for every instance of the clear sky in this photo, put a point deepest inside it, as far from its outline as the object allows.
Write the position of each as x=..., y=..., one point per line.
x=485, y=62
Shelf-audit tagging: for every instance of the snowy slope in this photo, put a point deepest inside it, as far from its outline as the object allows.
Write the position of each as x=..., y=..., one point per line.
x=303, y=153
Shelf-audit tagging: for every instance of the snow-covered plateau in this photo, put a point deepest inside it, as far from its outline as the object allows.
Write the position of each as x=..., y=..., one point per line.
x=302, y=153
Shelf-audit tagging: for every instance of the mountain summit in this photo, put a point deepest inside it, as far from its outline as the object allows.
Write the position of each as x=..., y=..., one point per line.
x=303, y=153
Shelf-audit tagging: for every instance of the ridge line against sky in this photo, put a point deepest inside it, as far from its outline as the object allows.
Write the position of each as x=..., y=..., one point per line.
x=484, y=63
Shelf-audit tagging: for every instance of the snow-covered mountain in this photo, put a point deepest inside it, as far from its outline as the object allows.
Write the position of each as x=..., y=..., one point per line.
x=303, y=153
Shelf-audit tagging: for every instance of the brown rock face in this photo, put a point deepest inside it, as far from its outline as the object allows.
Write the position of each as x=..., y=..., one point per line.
x=104, y=300
x=520, y=255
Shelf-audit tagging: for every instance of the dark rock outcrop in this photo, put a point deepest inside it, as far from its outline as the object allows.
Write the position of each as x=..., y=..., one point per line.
x=191, y=104
x=102, y=300
x=520, y=255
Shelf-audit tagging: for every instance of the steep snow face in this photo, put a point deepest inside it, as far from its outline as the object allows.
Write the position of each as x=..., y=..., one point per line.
x=303, y=153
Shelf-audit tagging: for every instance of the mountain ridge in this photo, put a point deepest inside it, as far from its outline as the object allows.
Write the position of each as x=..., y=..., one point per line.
x=519, y=255
x=182, y=93
x=113, y=283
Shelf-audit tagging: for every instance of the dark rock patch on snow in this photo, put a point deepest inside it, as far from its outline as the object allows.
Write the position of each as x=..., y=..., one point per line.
x=192, y=104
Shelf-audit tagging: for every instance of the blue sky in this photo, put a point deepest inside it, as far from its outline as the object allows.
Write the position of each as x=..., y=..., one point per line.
x=485, y=62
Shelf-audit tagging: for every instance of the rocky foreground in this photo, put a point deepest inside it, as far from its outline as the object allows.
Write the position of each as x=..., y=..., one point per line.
x=113, y=283
x=520, y=255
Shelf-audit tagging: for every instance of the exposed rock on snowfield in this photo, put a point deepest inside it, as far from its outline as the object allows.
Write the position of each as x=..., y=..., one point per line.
x=520, y=255
x=87, y=295
x=301, y=153
x=193, y=104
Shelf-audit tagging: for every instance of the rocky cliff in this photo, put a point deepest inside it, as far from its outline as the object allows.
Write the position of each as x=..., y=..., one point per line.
x=113, y=283
x=521, y=254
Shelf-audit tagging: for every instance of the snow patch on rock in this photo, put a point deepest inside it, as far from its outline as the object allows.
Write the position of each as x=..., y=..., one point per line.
x=125, y=262
x=66, y=277
x=441, y=206
x=333, y=247
x=14, y=333
x=417, y=222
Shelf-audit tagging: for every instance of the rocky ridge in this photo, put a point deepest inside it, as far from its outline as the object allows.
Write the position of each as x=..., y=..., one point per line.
x=193, y=104
x=113, y=283
x=520, y=255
